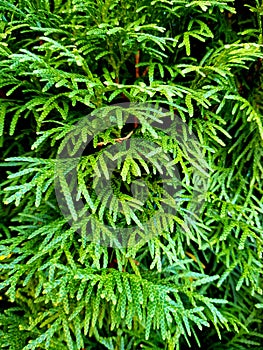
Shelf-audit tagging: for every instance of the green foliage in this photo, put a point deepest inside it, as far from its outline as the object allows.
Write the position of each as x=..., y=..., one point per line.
x=199, y=287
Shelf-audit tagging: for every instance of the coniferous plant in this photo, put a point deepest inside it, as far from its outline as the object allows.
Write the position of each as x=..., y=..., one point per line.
x=182, y=288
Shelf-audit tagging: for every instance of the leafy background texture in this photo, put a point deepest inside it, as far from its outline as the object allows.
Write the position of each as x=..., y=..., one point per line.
x=63, y=59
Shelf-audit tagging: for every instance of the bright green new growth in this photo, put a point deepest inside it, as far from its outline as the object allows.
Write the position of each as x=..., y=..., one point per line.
x=63, y=59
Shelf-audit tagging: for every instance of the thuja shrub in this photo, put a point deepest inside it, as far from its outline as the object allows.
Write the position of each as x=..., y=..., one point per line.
x=182, y=287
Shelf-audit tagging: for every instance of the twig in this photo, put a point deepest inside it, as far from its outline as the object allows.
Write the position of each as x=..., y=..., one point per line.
x=194, y=258
x=137, y=61
x=120, y=139
x=145, y=71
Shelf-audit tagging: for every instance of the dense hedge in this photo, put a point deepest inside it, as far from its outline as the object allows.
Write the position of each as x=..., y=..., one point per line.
x=199, y=286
